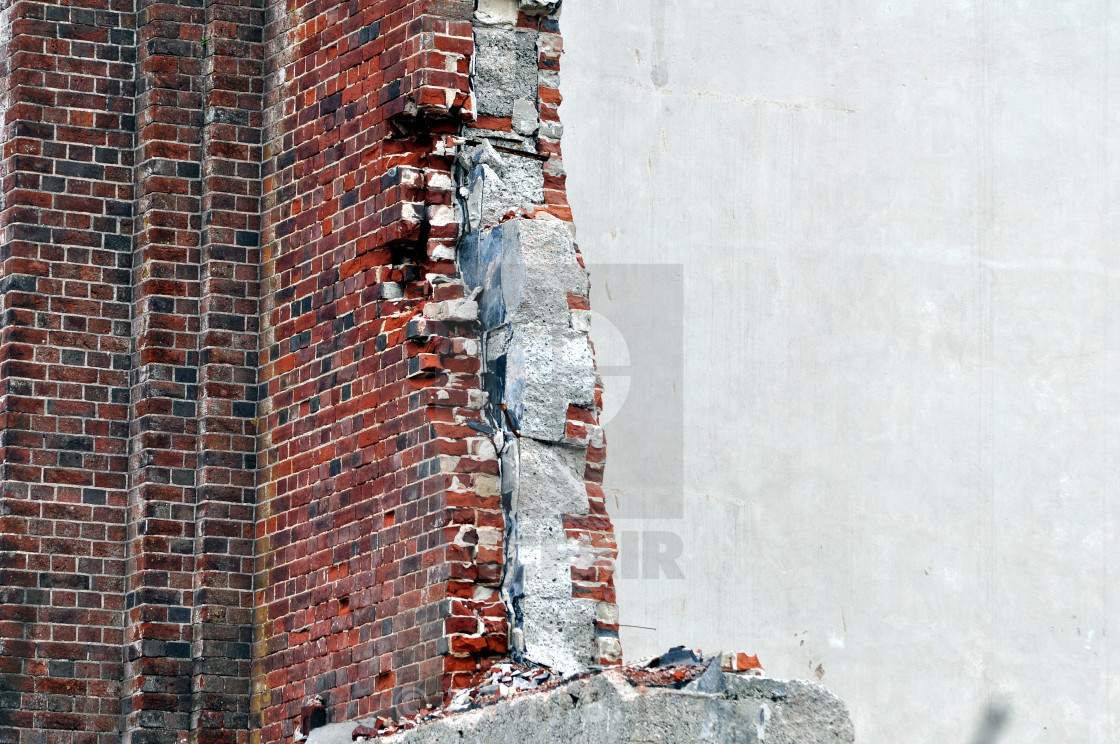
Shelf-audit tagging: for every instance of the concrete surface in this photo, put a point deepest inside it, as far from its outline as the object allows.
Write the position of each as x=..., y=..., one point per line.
x=540, y=363
x=606, y=709
x=896, y=224
x=505, y=68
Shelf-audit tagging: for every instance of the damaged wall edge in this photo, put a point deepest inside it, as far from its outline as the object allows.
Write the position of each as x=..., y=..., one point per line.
x=522, y=264
x=353, y=458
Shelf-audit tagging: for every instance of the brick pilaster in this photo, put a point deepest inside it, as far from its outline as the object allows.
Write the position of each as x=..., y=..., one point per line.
x=164, y=449
x=357, y=218
x=66, y=79
x=225, y=496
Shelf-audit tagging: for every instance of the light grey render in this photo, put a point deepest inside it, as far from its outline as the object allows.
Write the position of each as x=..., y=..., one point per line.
x=896, y=229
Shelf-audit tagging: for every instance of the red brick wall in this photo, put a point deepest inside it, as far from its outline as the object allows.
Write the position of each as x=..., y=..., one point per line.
x=128, y=370
x=247, y=458
x=357, y=507
x=65, y=251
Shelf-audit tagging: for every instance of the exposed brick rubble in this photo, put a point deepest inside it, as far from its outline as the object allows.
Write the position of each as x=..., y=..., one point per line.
x=676, y=669
x=270, y=458
x=613, y=706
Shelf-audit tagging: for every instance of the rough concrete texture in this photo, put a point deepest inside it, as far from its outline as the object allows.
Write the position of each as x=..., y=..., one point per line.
x=527, y=269
x=525, y=119
x=505, y=69
x=540, y=270
x=495, y=12
x=538, y=7
x=498, y=185
x=607, y=709
x=552, y=628
x=548, y=369
x=558, y=632
x=541, y=363
x=498, y=182
x=899, y=251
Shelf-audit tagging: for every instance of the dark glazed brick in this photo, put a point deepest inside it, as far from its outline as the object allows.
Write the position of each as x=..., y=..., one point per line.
x=63, y=581
x=94, y=496
x=178, y=650
x=244, y=410
x=117, y=242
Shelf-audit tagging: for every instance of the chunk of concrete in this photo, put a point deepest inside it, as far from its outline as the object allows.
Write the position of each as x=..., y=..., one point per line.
x=550, y=483
x=547, y=369
x=496, y=12
x=525, y=119
x=712, y=680
x=556, y=629
x=539, y=7
x=560, y=635
x=527, y=269
x=607, y=709
x=540, y=270
x=505, y=69
x=494, y=192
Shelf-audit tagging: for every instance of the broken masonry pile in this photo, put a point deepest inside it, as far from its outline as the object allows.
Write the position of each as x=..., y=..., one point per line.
x=678, y=668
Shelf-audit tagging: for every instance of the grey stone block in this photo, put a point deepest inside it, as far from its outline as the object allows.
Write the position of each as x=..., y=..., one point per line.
x=539, y=7
x=527, y=269
x=505, y=69
x=557, y=629
x=525, y=120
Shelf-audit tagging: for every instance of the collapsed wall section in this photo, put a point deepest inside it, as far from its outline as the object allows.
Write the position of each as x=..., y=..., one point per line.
x=541, y=377
x=617, y=707
x=519, y=257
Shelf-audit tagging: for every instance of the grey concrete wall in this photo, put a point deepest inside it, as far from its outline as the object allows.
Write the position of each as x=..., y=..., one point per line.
x=895, y=226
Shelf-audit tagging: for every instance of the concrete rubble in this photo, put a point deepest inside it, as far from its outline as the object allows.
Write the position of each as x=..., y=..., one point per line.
x=679, y=697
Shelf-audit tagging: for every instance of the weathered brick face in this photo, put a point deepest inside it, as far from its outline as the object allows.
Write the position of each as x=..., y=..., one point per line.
x=352, y=562
x=252, y=457
x=64, y=363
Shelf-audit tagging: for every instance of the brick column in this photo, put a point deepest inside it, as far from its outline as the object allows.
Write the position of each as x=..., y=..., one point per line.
x=231, y=151
x=66, y=79
x=353, y=576
x=164, y=459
